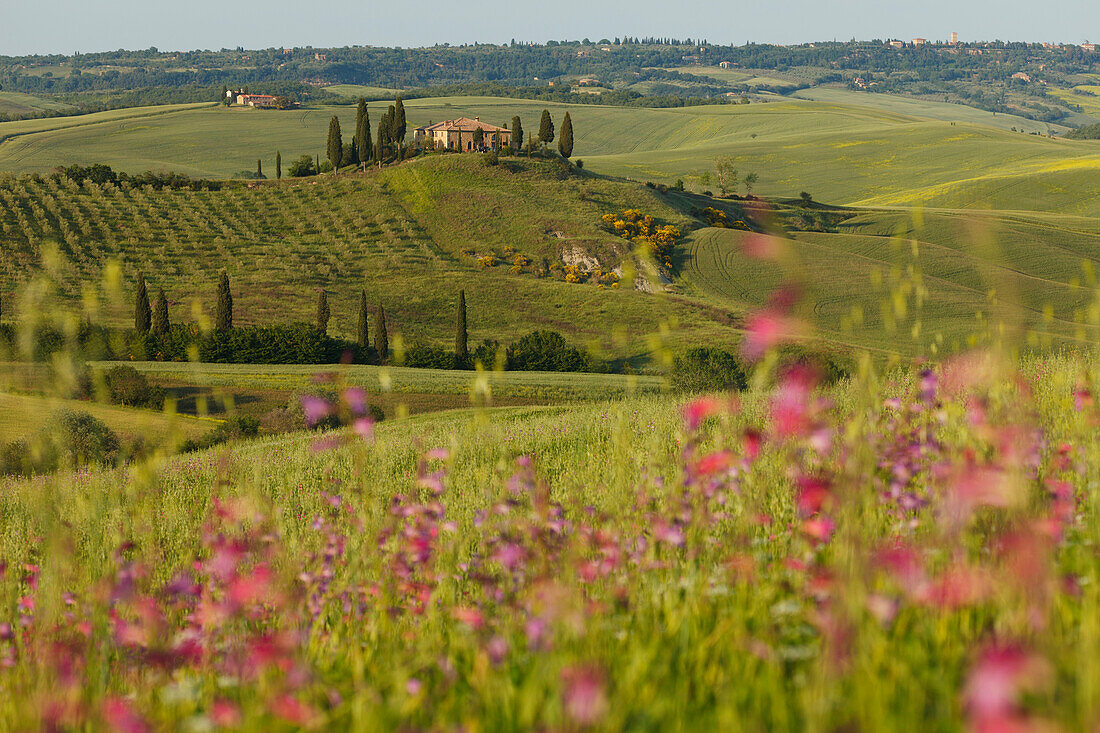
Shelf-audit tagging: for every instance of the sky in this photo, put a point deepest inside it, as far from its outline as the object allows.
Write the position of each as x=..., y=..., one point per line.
x=68, y=26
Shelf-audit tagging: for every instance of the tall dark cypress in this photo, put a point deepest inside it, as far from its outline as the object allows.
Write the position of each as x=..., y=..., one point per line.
x=546, y=128
x=323, y=312
x=259, y=168
x=142, y=313
x=160, y=314
x=381, y=339
x=362, y=134
x=223, y=314
x=278, y=164
x=461, y=337
x=335, y=143
x=361, y=333
x=517, y=133
x=399, y=126
x=565, y=141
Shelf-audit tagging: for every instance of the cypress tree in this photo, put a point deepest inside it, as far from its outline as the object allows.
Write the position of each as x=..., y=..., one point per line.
x=517, y=133
x=399, y=126
x=565, y=141
x=461, y=337
x=323, y=312
x=223, y=315
x=259, y=168
x=381, y=339
x=362, y=134
x=335, y=143
x=142, y=313
x=160, y=314
x=479, y=138
x=383, y=137
x=546, y=128
x=278, y=164
x=225, y=95
x=361, y=334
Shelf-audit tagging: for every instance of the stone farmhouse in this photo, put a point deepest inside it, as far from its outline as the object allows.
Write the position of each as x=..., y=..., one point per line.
x=459, y=134
x=256, y=100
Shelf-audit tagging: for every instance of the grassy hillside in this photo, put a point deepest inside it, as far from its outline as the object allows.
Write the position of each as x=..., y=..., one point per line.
x=399, y=234
x=21, y=415
x=14, y=103
x=843, y=150
x=413, y=235
x=923, y=289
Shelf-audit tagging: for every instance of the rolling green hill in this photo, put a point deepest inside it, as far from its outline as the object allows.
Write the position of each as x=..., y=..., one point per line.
x=927, y=287
x=412, y=235
x=405, y=234
x=14, y=103
x=840, y=151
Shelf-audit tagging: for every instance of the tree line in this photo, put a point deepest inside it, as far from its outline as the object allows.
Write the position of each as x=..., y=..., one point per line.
x=156, y=338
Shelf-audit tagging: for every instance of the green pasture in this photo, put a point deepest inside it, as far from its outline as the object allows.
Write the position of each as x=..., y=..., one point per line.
x=925, y=109
x=480, y=386
x=21, y=415
x=17, y=103
x=944, y=284
x=843, y=149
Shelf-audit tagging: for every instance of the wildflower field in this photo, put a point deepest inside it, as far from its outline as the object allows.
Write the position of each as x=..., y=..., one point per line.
x=913, y=550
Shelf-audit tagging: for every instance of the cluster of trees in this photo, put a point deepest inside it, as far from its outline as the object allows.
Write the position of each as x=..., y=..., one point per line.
x=157, y=339
x=103, y=174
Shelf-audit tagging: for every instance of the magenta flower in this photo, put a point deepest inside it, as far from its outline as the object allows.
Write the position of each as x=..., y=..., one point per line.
x=696, y=411
x=584, y=697
x=356, y=399
x=995, y=683
x=315, y=409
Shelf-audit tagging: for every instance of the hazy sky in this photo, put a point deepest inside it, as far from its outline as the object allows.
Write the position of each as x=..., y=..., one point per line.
x=65, y=26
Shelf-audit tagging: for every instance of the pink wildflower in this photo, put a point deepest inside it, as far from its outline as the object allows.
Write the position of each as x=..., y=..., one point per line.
x=584, y=696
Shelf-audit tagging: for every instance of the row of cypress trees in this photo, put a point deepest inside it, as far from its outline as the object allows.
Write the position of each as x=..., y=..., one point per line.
x=154, y=318
x=391, y=136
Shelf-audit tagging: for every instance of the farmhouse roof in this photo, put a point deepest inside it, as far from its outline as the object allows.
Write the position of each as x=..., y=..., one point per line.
x=463, y=124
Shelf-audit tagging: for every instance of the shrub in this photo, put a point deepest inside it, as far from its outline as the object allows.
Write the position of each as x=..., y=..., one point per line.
x=579, y=163
x=69, y=439
x=705, y=369
x=429, y=357
x=490, y=158
x=487, y=353
x=302, y=167
x=127, y=386
x=547, y=351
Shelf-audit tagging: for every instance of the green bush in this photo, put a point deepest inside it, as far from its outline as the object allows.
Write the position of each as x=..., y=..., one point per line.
x=547, y=351
x=704, y=369
x=127, y=386
x=298, y=343
x=431, y=357
x=69, y=439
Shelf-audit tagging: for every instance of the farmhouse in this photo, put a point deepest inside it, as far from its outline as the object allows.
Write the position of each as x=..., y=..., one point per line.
x=459, y=134
x=256, y=100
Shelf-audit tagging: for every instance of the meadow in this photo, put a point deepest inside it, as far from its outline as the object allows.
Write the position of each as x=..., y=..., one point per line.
x=22, y=414
x=879, y=555
x=925, y=288
x=866, y=151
